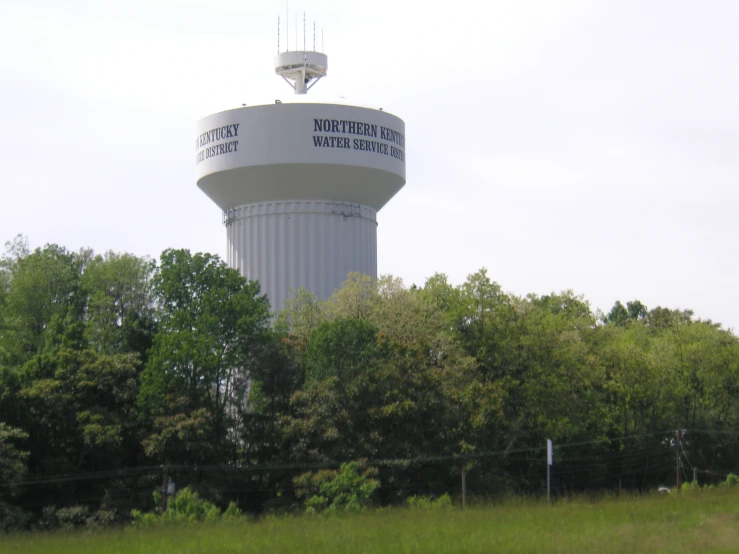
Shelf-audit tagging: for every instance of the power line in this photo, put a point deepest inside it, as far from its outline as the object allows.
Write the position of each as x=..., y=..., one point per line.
x=85, y=476
x=598, y=460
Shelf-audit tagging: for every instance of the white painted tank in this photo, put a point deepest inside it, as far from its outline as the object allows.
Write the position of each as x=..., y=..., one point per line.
x=300, y=182
x=294, y=149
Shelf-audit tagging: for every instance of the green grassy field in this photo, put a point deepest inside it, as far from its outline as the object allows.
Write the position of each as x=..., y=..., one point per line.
x=699, y=522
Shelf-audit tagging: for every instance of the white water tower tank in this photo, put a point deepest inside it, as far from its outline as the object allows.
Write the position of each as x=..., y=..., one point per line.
x=300, y=182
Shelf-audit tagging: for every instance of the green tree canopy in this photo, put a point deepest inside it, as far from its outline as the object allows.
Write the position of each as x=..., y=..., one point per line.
x=213, y=333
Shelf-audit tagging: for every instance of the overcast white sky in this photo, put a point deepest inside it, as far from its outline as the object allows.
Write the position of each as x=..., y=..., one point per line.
x=586, y=145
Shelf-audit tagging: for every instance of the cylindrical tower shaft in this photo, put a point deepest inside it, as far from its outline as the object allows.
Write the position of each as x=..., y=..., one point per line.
x=314, y=244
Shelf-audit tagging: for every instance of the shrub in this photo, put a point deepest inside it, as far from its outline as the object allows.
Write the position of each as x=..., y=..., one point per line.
x=232, y=511
x=346, y=490
x=429, y=503
x=144, y=519
x=67, y=518
x=688, y=487
x=188, y=506
x=731, y=480
x=185, y=507
x=101, y=519
x=12, y=518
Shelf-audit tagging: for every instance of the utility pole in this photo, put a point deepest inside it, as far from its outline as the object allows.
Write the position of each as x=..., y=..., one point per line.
x=164, y=488
x=695, y=476
x=464, y=490
x=677, y=460
x=550, y=455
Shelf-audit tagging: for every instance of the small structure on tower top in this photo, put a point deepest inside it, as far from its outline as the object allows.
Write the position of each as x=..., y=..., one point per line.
x=301, y=69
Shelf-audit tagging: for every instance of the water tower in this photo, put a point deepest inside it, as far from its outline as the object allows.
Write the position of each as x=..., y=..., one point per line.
x=300, y=182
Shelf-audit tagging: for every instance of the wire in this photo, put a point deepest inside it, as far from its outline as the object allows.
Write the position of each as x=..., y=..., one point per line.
x=711, y=472
x=86, y=476
x=685, y=475
x=598, y=461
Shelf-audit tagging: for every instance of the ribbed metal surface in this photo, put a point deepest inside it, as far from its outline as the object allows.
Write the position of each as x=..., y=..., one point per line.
x=301, y=243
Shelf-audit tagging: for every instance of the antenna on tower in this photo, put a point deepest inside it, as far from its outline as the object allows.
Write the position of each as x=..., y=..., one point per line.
x=296, y=30
x=314, y=35
x=323, y=48
x=304, y=49
x=278, y=34
x=287, y=25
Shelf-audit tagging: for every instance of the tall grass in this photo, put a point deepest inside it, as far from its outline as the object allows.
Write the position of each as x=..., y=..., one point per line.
x=696, y=522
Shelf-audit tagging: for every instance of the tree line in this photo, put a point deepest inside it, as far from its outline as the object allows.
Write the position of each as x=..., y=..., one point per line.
x=116, y=368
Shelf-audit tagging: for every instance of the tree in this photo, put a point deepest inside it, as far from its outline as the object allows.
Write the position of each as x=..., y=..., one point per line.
x=120, y=308
x=43, y=304
x=299, y=318
x=342, y=348
x=213, y=332
x=12, y=460
x=79, y=407
x=180, y=437
x=618, y=314
x=551, y=380
x=634, y=311
x=483, y=316
x=445, y=298
x=386, y=382
x=13, y=468
x=355, y=298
